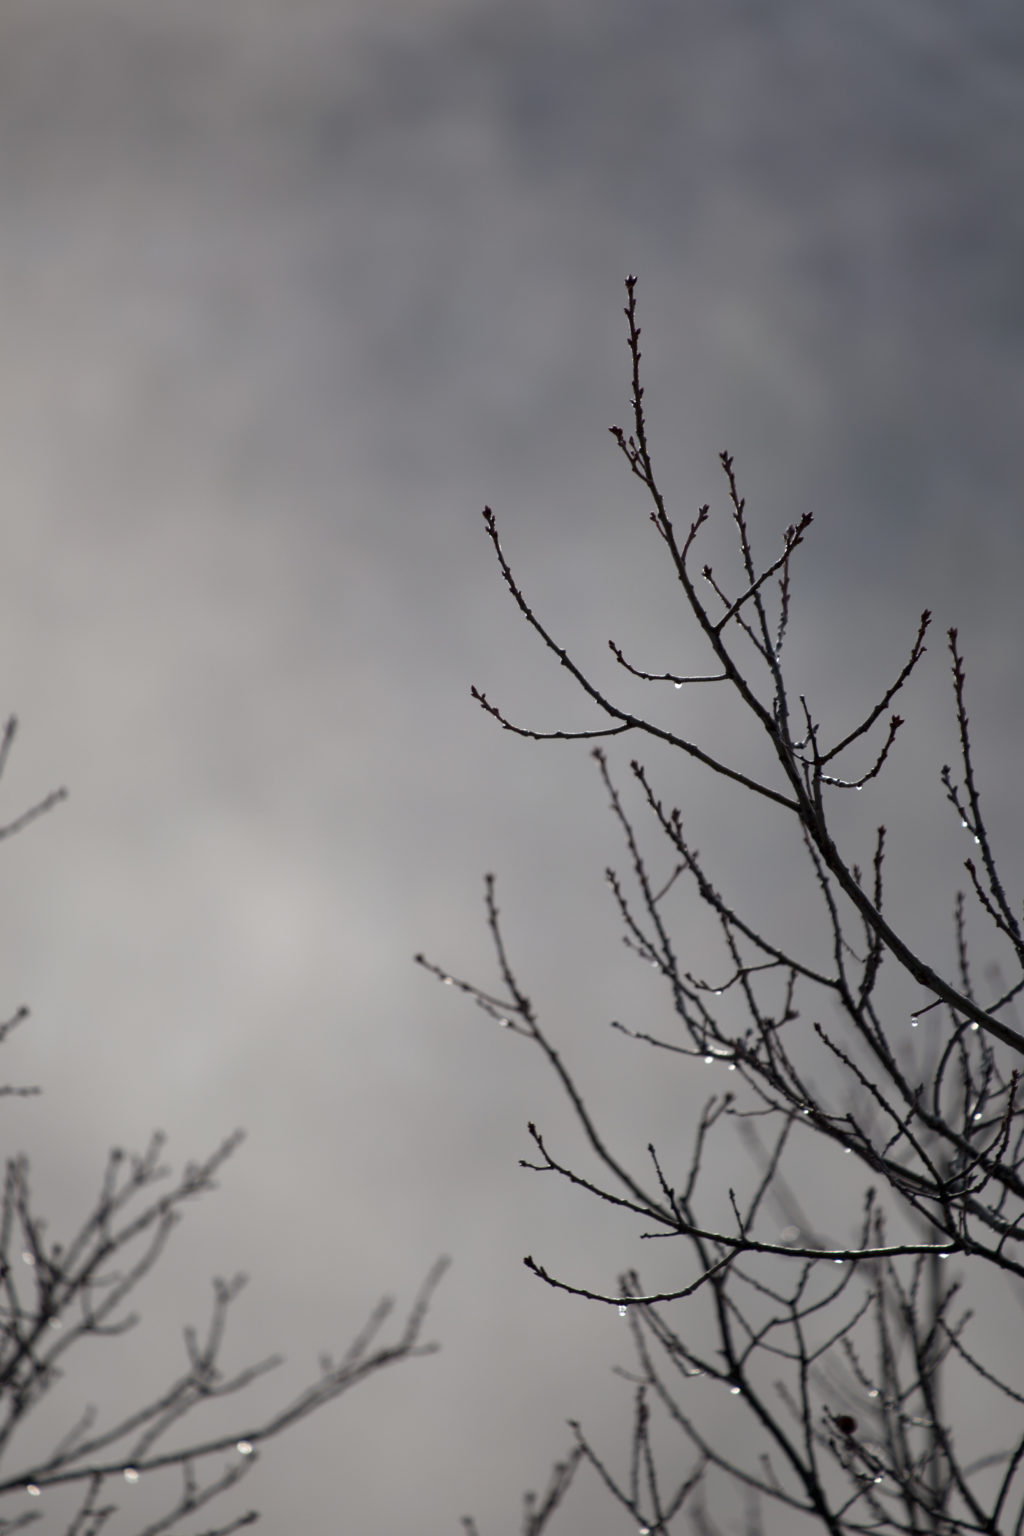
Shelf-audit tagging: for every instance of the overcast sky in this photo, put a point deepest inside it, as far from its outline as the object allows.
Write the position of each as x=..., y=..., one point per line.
x=291, y=288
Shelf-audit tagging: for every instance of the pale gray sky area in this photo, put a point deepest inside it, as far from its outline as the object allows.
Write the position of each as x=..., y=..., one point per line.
x=290, y=289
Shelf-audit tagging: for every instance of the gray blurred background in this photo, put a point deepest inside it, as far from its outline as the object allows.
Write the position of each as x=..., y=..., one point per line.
x=290, y=288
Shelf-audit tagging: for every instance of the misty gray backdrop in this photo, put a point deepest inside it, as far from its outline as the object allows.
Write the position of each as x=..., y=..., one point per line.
x=290, y=288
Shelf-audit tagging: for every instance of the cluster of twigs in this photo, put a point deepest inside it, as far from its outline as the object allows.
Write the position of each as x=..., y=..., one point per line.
x=837, y=1349
x=54, y=1296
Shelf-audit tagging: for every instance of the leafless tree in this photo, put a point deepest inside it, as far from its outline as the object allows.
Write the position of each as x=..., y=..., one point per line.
x=853, y=1355
x=54, y=1296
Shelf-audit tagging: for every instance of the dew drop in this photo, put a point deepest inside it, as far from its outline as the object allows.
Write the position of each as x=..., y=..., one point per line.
x=735, y=1391
x=448, y=981
x=678, y=685
x=131, y=1475
x=847, y=1150
x=915, y=1021
x=858, y=787
x=978, y=841
x=878, y=1479
x=504, y=1023
x=977, y=1115
x=244, y=1448
x=709, y=1061
x=838, y=1261
x=732, y=1066
x=873, y=1392
x=29, y=1259
x=622, y=1311
x=963, y=823
x=32, y=1490
x=718, y=991
x=975, y=1026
